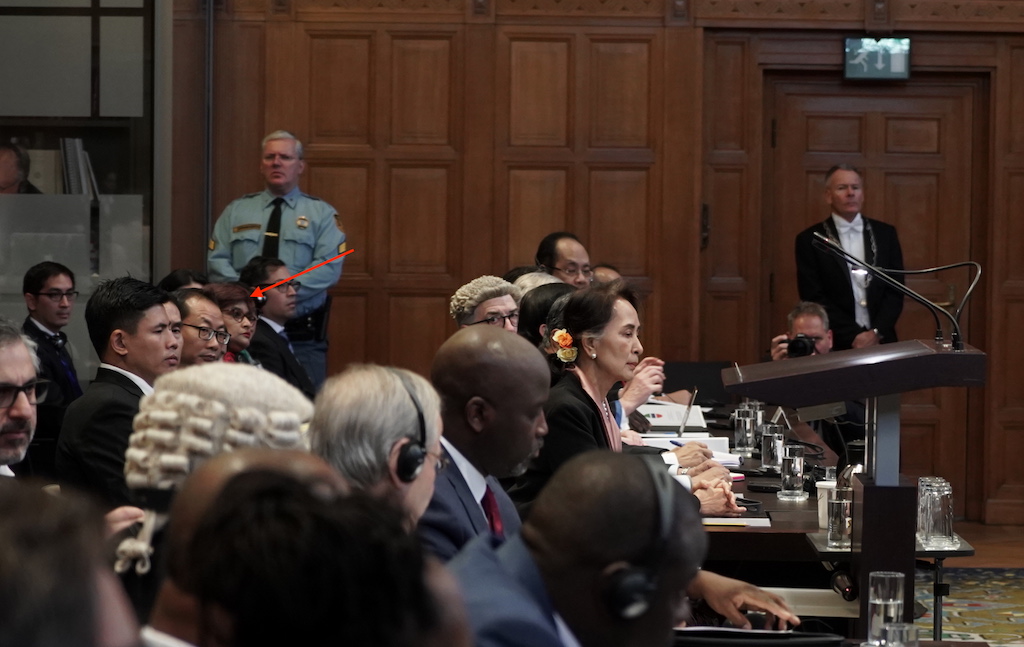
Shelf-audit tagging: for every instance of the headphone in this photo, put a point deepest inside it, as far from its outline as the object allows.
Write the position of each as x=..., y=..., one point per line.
x=413, y=454
x=631, y=589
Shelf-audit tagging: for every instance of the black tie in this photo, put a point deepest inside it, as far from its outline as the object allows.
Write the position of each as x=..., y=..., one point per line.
x=60, y=340
x=270, y=237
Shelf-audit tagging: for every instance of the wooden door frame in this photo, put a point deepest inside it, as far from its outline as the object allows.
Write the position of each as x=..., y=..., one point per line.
x=978, y=84
x=775, y=52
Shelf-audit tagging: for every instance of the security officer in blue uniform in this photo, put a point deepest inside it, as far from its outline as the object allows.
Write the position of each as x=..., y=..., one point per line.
x=303, y=231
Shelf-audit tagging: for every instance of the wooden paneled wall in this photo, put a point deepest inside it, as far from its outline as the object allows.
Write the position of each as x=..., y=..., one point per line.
x=452, y=135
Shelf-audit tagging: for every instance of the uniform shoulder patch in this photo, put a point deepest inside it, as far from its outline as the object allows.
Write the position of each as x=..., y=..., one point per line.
x=212, y=245
x=342, y=247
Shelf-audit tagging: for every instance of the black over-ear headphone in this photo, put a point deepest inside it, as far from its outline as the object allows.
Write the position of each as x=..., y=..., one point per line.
x=413, y=454
x=631, y=590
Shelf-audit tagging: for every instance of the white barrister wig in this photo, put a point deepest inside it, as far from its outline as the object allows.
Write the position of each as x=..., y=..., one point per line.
x=198, y=412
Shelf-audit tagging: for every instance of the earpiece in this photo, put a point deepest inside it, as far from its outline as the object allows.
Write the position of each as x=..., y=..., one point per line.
x=413, y=454
x=630, y=589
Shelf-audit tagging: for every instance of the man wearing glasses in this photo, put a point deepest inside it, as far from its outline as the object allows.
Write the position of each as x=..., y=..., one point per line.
x=20, y=390
x=271, y=343
x=487, y=300
x=283, y=222
x=49, y=290
x=204, y=337
x=562, y=255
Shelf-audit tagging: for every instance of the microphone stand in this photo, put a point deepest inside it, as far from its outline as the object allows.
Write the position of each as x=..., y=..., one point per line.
x=830, y=245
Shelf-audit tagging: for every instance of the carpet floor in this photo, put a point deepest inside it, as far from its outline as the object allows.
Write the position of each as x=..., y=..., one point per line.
x=984, y=605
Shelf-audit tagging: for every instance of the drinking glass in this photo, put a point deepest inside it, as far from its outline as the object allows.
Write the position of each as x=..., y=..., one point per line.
x=745, y=425
x=899, y=634
x=772, y=440
x=840, y=517
x=885, y=602
x=792, y=473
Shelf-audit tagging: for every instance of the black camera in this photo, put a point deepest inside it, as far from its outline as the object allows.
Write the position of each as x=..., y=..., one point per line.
x=800, y=346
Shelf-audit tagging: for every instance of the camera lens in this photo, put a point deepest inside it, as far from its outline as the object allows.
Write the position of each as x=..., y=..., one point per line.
x=800, y=346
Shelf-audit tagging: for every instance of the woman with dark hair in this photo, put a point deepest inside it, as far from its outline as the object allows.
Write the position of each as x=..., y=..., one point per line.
x=598, y=347
x=534, y=308
x=183, y=278
x=239, y=318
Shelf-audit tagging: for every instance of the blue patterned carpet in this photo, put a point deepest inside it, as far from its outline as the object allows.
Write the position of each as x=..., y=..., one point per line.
x=984, y=605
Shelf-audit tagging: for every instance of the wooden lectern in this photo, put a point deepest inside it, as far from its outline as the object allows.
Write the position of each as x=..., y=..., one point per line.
x=885, y=507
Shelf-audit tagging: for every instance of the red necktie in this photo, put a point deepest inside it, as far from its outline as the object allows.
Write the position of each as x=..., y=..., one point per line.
x=490, y=505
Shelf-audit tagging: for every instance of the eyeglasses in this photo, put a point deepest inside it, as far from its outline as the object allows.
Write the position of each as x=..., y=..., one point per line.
x=55, y=296
x=442, y=461
x=206, y=334
x=34, y=391
x=295, y=285
x=576, y=271
x=238, y=314
x=499, y=320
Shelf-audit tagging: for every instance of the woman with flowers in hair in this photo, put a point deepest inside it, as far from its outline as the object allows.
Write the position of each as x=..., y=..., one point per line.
x=598, y=346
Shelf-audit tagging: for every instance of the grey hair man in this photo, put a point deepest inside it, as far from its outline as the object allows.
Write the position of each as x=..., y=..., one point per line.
x=20, y=390
x=380, y=427
x=486, y=300
x=808, y=320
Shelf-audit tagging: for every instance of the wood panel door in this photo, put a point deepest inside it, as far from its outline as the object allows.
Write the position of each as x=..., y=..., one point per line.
x=917, y=146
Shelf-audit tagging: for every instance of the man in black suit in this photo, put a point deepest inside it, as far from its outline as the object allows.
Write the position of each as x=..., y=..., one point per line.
x=136, y=331
x=270, y=345
x=49, y=290
x=493, y=385
x=863, y=310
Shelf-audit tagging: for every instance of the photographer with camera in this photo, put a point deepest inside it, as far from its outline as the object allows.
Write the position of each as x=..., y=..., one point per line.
x=808, y=334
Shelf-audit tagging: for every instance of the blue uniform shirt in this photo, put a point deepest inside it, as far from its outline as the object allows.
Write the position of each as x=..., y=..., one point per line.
x=310, y=234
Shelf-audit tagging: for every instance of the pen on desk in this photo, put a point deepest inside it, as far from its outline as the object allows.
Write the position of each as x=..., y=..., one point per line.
x=677, y=443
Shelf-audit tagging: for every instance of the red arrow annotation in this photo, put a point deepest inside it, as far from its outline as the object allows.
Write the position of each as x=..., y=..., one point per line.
x=258, y=292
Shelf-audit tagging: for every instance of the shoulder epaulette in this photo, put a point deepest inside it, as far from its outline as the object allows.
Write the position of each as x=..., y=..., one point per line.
x=250, y=195
x=311, y=197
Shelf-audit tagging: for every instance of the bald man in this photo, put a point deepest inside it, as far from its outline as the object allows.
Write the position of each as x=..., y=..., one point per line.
x=493, y=385
x=176, y=612
x=608, y=557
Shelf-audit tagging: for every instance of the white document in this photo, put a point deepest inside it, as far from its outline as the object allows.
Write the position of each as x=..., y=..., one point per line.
x=751, y=522
x=720, y=446
x=667, y=416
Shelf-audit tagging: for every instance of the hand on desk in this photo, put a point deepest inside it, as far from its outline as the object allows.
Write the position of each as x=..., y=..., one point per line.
x=731, y=597
x=692, y=453
x=707, y=472
x=717, y=499
x=631, y=437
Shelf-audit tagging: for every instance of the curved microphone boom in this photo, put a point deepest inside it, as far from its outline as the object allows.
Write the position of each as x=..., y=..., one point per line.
x=829, y=245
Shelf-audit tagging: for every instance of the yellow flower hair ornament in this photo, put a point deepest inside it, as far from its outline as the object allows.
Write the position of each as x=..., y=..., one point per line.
x=566, y=351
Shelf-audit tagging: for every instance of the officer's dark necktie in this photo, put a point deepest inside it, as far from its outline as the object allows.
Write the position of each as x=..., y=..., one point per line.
x=270, y=236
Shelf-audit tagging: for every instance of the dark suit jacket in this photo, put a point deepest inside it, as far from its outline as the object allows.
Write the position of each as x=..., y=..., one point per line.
x=93, y=440
x=50, y=412
x=825, y=279
x=271, y=350
x=574, y=427
x=454, y=517
x=506, y=601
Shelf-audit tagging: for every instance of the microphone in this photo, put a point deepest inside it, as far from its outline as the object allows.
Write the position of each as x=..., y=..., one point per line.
x=829, y=245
